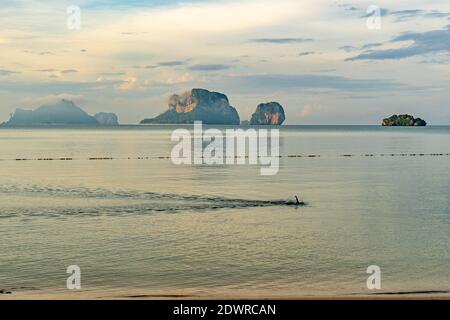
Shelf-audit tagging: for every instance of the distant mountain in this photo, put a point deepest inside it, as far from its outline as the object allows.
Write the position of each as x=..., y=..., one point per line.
x=198, y=105
x=271, y=113
x=107, y=119
x=64, y=112
x=403, y=120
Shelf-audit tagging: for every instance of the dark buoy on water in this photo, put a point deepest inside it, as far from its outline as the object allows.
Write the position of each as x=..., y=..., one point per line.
x=298, y=203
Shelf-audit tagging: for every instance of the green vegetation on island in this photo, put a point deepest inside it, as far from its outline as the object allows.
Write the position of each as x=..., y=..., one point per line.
x=403, y=120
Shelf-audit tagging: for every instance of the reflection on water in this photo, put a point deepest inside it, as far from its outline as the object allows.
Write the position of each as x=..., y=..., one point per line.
x=375, y=196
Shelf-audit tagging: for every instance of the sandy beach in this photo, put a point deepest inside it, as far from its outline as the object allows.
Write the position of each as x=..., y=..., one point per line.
x=190, y=295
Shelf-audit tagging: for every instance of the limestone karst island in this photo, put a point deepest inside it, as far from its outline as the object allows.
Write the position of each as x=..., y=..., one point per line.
x=271, y=113
x=213, y=108
x=403, y=120
x=198, y=105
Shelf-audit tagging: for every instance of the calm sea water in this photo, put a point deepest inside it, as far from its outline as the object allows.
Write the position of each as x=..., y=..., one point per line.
x=136, y=223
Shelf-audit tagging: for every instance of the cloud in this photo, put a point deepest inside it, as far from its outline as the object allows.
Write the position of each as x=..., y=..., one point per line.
x=209, y=67
x=351, y=9
x=209, y=17
x=264, y=83
x=133, y=83
x=326, y=70
x=348, y=48
x=423, y=43
x=371, y=45
x=435, y=61
x=348, y=7
x=50, y=87
x=306, y=53
x=184, y=78
x=40, y=53
x=46, y=70
x=403, y=15
x=311, y=109
x=50, y=70
x=171, y=63
x=5, y=72
x=52, y=98
x=407, y=13
x=111, y=74
x=67, y=71
x=128, y=84
x=133, y=33
x=281, y=40
x=399, y=15
x=382, y=11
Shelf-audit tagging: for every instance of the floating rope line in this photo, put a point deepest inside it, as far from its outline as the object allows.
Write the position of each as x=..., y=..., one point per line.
x=285, y=156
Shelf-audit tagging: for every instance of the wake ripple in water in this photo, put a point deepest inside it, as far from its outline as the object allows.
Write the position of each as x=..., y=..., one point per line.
x=130, y=202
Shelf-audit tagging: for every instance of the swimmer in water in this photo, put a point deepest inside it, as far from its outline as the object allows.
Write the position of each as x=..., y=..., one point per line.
x=297, y=202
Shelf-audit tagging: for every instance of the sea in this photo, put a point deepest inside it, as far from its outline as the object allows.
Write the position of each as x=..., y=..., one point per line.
x=111, y=201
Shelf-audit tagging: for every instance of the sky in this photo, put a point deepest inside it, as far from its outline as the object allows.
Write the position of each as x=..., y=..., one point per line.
x=325, y=61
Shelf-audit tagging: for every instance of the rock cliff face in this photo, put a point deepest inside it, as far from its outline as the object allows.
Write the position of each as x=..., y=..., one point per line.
x=107, y=119
x=404, y=120
x=198, y=105
x=271, y=113
x=60, y=113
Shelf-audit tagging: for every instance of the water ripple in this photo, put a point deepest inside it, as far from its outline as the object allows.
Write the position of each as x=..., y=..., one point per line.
x=133, y=202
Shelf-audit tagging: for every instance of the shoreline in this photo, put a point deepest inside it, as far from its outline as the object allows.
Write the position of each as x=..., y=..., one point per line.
x=183, y=295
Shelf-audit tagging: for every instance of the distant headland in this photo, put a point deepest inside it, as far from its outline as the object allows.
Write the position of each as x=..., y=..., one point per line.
x=63, y=112
x=403, y=120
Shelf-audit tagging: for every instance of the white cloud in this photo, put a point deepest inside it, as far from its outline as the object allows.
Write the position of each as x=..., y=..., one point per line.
x=310, y=110
x=182, y=78
x=133, y=83
x=207, y=18
x=38, y=101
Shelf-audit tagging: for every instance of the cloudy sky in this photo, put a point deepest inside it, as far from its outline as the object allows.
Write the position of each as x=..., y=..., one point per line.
x=318, y=58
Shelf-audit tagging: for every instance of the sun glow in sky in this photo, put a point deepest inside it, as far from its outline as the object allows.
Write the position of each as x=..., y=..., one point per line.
x=317, y=58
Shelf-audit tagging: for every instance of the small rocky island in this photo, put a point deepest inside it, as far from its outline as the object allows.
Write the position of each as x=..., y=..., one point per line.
x=197, y=105
x=403, y=120
x=63, y=112
x=107, y=119
x=271, y=113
